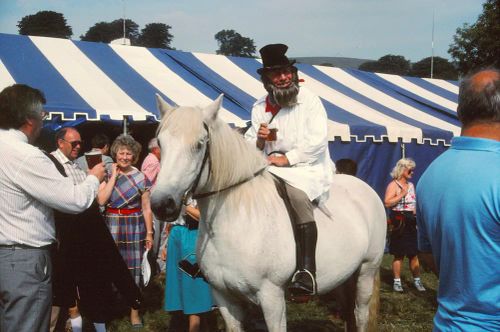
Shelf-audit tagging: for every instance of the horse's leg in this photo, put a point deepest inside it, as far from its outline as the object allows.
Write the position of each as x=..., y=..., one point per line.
x=272, y=302
x=345, y=296
x=232, y=312
x=364, y=290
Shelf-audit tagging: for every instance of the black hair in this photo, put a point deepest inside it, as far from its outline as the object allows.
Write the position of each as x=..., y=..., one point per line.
x=99, y=141
x=346, y=166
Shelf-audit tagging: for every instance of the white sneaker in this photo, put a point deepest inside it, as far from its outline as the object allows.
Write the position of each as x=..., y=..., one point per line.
x=397, y=287
x=419, y=286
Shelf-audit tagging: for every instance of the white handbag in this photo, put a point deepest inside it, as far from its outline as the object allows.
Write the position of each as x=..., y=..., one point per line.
x=145, y=268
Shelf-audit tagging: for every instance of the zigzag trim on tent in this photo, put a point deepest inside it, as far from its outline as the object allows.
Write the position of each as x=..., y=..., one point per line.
x=385, y=139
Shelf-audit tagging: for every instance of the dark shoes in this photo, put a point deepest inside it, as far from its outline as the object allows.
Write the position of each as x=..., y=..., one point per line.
x=303, y=283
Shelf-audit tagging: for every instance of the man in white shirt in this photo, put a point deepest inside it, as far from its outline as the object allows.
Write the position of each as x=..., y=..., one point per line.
x=69, y=143
x=289, y=125
x=30, y=187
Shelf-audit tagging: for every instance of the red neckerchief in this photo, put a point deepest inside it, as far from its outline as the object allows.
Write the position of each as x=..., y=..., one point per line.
x=273, y=109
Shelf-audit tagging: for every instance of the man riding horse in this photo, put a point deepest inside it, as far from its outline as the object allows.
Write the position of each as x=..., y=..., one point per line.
x=289, y=125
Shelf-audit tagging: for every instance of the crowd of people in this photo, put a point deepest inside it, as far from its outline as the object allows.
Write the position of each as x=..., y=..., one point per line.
x=73, y=236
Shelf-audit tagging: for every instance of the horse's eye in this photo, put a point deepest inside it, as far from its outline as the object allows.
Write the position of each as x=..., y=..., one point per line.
x=199, y=145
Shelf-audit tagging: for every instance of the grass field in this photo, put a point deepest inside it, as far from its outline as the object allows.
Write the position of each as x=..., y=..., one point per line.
x=410, y=311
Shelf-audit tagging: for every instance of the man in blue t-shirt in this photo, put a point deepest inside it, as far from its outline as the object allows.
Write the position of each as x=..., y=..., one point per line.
x=458, y=211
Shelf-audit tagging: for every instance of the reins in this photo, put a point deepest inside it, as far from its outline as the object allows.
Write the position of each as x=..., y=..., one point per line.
x=206, y=157
x=210, y=193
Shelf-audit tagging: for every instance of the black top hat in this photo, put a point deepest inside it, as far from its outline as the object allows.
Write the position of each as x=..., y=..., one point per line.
x=273, y=57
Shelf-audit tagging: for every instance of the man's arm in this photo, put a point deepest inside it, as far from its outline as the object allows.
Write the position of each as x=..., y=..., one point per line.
x=424, y=245
x=427, y=260
x=252, y=134
x=316, y=135
x=38, y=177
x=150, y=169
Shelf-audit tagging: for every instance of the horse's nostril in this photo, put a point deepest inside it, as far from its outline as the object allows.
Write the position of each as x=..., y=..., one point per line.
x=165, y=209
x=170, y=205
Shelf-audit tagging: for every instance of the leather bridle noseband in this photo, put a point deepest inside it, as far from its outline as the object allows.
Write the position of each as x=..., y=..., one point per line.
x=196, y=182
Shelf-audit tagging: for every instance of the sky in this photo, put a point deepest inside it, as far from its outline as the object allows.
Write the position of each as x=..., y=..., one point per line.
x=366, y=29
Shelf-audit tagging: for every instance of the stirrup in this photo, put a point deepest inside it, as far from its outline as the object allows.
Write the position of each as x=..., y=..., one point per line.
x=298, y=287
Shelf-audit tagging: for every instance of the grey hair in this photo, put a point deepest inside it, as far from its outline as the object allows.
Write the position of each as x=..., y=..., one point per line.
x=400, y=167
x=18, y=103
x=479, y=101
x=128, y=142
x=153, y=143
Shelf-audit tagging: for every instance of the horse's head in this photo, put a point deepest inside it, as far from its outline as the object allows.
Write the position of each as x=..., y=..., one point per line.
x=183, y=138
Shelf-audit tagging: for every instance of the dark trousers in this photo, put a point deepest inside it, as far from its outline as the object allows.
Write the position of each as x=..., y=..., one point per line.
x=25, y=290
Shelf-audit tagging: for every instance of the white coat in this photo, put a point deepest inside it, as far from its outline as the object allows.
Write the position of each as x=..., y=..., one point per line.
x=302, y=136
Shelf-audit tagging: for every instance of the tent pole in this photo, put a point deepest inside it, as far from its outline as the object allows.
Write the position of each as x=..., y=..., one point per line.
x=125, y=125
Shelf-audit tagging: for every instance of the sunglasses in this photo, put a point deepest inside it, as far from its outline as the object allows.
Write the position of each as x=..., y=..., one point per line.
x=411, y=171
x=74, y=144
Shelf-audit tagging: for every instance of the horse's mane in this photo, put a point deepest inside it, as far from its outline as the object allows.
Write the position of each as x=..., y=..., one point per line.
x=232, y=158
x=184, y=122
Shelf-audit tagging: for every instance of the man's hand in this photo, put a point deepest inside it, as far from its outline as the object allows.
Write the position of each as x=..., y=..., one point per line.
x=263, y=132
x=262, y=136
x=280, y=161
x=99, y=171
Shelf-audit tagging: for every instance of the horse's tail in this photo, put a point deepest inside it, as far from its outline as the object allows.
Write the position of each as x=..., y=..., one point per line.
x=374, y=305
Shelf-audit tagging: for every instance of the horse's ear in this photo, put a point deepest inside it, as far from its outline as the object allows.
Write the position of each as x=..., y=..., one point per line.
x=163, y=106
x=210, y=112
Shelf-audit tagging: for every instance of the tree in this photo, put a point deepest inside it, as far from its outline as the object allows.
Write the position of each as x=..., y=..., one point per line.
x=388, y=64
x=156, y=35
x=442, y=69
x=45, y=23
x=478, y=45
x=108, y=31
x=232, y=43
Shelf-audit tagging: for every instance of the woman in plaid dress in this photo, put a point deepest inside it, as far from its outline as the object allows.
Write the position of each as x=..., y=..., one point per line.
x=128, y=213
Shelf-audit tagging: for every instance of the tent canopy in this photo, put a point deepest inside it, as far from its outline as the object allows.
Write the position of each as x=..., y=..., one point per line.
x=85, y=81
x=370, y=115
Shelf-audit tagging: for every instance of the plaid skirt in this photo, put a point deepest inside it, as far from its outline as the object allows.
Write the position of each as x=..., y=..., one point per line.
x=129, y=233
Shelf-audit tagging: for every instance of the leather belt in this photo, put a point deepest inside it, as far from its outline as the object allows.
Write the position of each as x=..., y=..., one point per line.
x=123, y=211
x=23, y=246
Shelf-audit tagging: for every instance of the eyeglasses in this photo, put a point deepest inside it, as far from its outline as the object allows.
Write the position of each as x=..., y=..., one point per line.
x=410, y=171
x=44, y=115
x=74, y=144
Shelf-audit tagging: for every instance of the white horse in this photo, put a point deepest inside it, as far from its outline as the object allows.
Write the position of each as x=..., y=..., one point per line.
x=246, y=247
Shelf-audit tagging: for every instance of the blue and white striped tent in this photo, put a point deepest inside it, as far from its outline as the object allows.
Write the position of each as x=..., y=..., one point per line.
x=371, y=116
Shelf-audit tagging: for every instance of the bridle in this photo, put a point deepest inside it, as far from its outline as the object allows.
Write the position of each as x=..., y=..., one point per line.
x=196, y=182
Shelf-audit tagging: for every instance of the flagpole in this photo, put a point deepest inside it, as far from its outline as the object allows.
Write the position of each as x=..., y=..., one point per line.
x=432, y=45
x=124, y=30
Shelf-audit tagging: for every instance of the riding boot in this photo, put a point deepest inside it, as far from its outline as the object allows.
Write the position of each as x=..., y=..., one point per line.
x=303, y=281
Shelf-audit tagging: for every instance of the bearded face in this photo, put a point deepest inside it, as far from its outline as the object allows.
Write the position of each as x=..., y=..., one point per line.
x=282, y=85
